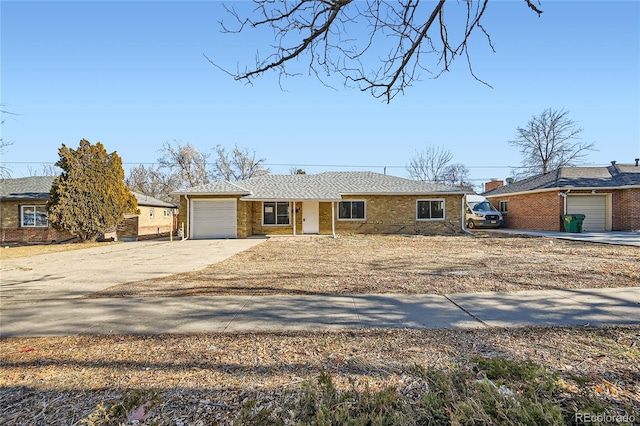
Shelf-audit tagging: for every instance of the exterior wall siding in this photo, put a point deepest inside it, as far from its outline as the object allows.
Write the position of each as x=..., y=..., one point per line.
x=156, y=226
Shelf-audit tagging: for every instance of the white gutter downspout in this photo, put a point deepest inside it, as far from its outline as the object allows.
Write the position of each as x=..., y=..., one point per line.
x=184, y=231
x=564, y=196
x=294, y=219
x=333, y=219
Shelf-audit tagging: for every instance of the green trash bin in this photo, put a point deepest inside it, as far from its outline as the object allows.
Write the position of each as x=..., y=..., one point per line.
x=573, y=222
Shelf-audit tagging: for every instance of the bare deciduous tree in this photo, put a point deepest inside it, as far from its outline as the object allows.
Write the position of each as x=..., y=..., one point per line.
x=44, y=170
x=185, y=164
x=296, y=171
x=549, y=140
x=429, y=165
x=400, y=40
x=457, y=175
x=5, y=172
x=238, y=164
x=182, y=165
x=152, y=181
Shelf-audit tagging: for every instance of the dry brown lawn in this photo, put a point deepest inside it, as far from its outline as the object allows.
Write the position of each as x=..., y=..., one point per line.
x=207, y=378
x=28, y=250
x=399, y=264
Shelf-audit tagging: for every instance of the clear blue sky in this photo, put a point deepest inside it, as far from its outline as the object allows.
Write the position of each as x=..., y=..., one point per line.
x=132, y=75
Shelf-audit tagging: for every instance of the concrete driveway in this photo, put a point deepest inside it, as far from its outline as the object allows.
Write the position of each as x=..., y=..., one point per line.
x=72, y=274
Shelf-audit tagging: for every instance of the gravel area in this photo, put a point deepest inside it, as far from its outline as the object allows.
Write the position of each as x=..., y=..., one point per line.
x=399, y=264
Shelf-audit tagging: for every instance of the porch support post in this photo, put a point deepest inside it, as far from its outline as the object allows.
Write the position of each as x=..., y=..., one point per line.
x=333, y=219
x=294, y=219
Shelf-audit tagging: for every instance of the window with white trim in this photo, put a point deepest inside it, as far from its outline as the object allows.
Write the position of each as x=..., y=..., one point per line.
x=430, y=209
x=275, y=213
x=352, y=210
x=34, y=216
x=151, y=212
x=504, y=206
x=167, y=213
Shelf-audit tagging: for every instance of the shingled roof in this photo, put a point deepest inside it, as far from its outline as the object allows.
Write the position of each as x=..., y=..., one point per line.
x=327, y=186
x=26, y=188
x=38, y=188
x=146, y=200
x=613, y=177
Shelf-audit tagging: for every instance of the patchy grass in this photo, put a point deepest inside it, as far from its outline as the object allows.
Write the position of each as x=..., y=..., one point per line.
x=533, y=375
x=398, y=264
x=8, y=251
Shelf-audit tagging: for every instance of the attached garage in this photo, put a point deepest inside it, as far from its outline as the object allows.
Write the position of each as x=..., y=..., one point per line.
x=213, y=218
x=594, y=207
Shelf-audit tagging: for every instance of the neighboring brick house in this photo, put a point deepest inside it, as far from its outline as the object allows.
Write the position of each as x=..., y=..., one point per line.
x=324, y=203
x=23, y=213
x=609, y=197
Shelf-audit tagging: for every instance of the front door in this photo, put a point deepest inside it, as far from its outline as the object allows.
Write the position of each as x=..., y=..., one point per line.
x=310, y=217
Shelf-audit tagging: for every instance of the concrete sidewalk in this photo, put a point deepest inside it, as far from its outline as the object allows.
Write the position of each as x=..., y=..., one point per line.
x=613, y=237
x=60, y=317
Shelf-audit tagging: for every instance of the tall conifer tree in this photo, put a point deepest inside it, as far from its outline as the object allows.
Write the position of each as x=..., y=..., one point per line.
x=90, y=196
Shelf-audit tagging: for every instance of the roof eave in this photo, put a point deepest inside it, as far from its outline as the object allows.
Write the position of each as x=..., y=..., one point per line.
x=461, y=192
x=295, y=199
x=564, y=188
x=209, y=193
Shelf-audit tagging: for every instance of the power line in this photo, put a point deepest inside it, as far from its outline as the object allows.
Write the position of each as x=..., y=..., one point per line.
x=284, y=165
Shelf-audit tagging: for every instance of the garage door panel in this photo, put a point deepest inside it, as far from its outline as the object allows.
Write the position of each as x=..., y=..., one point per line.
x=594, y=207
x=214, y=219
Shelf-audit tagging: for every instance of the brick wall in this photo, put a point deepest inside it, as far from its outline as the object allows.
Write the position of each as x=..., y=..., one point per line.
x=384, y=215
x=540, y=211
x=493, y=185
x=626, y=210
x=12, y=232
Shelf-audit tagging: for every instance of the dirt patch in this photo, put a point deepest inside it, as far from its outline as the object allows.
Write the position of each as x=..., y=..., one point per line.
x=208, y=378
x=398, y=264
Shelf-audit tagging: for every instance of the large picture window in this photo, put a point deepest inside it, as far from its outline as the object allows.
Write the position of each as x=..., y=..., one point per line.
x=33, y=217
x=430, y=210
x=351, y=210
x=275, y=213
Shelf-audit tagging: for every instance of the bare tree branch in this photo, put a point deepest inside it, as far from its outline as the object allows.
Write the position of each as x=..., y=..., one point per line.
x=346, y=38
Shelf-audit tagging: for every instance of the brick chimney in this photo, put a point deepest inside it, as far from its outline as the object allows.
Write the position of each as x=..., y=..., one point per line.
x=495, y=183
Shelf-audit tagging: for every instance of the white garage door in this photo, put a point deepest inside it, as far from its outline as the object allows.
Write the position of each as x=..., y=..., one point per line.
x=213, y=219
x=594, y=207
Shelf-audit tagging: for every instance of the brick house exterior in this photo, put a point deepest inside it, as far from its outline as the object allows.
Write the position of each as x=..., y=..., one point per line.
x=327, y=203
x=538, y=203
x=22, y=198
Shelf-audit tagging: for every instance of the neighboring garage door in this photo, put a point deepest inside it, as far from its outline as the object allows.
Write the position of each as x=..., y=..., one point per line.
x=213, y=219
x=594, y=207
